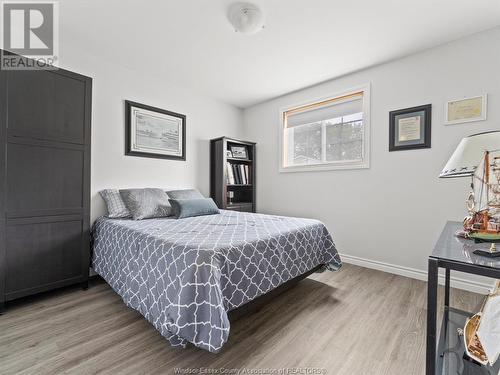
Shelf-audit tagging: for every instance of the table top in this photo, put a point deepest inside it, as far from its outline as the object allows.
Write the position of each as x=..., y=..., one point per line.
x=457, y=249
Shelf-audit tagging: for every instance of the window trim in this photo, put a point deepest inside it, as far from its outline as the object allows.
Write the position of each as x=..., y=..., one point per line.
x=335, y=165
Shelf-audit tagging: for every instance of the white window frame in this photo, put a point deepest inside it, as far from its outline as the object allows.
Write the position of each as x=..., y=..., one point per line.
x=334, y=165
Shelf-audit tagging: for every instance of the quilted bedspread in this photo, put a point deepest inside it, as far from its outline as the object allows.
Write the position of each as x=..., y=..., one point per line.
x=184, y=275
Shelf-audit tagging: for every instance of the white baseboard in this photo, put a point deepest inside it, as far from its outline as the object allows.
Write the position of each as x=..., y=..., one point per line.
x=456, y=282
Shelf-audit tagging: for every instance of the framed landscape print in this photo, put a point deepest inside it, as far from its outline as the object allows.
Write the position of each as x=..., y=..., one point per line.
x=410, y=128
x=154, y=133
x=466, y=110
x=239, y=152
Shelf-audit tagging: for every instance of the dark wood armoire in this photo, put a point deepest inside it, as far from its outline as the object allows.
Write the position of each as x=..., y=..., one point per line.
x=45, y=118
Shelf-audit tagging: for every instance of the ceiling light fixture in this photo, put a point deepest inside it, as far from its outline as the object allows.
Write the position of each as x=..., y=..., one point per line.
x=246, y=18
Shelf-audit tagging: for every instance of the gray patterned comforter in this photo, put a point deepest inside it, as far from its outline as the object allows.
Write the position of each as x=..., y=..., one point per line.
x=184, y=275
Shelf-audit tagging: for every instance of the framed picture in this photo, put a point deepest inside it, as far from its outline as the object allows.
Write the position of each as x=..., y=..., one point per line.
x=239, y=152
x=410, y=128
x=466, y=110
x=154, y=133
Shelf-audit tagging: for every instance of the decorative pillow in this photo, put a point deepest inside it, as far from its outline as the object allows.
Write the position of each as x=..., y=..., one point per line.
x=184, y=208
x=114, y=202
x=185, y=194
x=146, y=203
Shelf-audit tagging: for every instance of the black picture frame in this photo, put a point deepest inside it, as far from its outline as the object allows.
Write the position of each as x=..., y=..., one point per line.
x=128, y=132
x=424, y=141
x=235, y=153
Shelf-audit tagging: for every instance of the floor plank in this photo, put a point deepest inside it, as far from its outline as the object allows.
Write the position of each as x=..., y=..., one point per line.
x=355, y=321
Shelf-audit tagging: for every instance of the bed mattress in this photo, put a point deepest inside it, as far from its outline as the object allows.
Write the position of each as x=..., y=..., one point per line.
x=185, y=275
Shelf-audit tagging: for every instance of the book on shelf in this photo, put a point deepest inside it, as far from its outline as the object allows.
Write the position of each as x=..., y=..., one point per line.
x=229, y=174
x=236, y=173
x=242, y=173
x=241, y=179
x=247, y=174
x=233, y=172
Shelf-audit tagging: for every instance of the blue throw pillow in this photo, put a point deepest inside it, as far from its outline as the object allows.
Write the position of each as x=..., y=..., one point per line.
x=184, y=208
x=184, y=194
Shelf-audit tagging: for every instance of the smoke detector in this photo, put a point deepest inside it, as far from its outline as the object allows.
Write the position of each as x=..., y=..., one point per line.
x=246, y=18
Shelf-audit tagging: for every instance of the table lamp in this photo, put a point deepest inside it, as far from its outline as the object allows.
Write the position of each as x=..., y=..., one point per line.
x=474, y=157
x=469, y=154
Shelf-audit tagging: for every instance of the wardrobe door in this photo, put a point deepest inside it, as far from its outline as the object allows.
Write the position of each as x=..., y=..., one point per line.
x=3, y=129
x=46, y=187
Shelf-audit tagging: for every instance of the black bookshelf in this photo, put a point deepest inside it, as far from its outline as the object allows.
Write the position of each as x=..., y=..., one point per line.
x=232, y=179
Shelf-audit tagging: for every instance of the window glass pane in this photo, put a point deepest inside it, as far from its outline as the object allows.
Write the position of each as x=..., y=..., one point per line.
x=304, y=144
x=344, y=138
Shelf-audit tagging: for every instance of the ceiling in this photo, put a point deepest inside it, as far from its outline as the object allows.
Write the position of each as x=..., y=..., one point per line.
x=191, y=43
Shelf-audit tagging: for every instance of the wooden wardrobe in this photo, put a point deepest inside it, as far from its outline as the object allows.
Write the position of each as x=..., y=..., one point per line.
x=45, y=118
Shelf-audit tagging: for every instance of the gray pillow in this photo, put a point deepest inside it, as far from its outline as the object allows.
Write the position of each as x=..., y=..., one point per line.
x=114, y=203
x=146, y=203
x=185, y=194
x=184, y=208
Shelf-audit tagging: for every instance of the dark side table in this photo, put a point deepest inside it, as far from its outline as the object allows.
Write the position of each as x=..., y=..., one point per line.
x=446, y=355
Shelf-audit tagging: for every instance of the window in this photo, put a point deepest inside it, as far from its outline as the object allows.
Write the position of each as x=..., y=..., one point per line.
x=330, y=133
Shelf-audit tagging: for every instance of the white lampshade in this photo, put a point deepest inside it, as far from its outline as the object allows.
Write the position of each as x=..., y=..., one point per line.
x=469, y=154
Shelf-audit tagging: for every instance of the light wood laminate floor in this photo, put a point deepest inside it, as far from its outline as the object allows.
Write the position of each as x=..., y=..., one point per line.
x=355, y=321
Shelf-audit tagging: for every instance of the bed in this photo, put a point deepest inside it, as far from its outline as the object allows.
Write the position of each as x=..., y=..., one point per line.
x=184, y=276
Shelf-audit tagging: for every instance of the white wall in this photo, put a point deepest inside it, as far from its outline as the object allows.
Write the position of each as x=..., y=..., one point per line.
x=394, y=211
x=206, y=118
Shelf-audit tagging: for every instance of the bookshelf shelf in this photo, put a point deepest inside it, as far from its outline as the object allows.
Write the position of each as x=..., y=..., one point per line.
x=232, y=180
x=236, y=160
